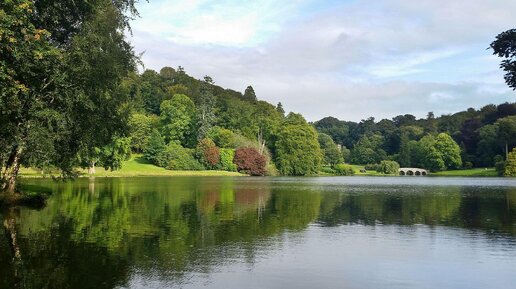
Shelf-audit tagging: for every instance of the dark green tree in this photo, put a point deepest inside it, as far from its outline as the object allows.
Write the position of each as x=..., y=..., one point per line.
x=249, y=94
x=505, y=46
x=62, y=64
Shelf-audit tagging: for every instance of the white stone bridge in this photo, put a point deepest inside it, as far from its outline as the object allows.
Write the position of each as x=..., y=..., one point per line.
x=412, y=172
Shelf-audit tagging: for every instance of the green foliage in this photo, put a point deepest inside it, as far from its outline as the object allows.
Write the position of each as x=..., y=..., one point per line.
x=388, y=167
x=505, y=46
x=223, y=138
x=176, y=157
x=510, y=164
x=154, y=146
x=226, y=160
x=297, y=148
x=449, y=150
x=141, y=126
x=207, y=153
x=177, y=117
x=60, y=71
x=344, y=170
x=500, y=168
x=332, y=154
x=368, y=150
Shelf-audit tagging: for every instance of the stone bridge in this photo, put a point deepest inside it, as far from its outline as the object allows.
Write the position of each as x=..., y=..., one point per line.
x=413, y=172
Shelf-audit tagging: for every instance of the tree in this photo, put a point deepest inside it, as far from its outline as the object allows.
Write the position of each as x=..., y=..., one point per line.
x=62, y=63
x=177, y=117
x=510, y=165
x=331, y=152
x=368, y=150
x=507, y=132
x=250, y=161
x=205, y=108
x=389, y=167
x=249, y=94
x=280, y=109
x=505, y=46
x=141, y=127
x=154, y=146
x=207, y=153
x=449, y=151
x=297, y=149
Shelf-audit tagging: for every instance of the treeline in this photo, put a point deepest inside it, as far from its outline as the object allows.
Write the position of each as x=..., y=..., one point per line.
x=182, y=123
x=471, y=138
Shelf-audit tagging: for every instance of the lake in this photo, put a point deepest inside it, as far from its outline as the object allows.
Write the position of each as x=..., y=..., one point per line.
x=211, y=232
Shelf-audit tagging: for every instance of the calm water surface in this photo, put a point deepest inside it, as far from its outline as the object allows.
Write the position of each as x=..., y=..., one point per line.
x=349, y=232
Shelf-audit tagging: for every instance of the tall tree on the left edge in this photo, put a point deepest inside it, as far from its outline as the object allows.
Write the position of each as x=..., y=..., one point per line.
x=505, y=46
x=61, y=63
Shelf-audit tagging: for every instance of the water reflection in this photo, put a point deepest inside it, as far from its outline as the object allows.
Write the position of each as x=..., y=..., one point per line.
x=107, y=233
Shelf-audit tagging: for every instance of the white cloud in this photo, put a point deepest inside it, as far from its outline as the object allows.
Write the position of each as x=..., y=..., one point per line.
x=350, y=60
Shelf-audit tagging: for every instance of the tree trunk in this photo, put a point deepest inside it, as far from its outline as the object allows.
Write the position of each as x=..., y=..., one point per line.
x=10, y=174
x=91, y=168
x=506, y=151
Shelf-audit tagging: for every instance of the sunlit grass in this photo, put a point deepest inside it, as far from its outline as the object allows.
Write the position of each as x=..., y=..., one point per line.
x=136, y=166
x=477, y=172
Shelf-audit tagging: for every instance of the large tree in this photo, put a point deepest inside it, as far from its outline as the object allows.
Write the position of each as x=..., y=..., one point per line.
x=505, y=46
x=177, y=118
x=61, y=64
x=297, y=149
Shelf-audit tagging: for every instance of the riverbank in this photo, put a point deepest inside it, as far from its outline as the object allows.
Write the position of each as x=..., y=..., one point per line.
x=134, y=167
x=475, y=172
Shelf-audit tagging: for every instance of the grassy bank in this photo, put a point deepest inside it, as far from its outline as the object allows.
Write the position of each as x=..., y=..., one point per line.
x=477, y=172
x=136, y=166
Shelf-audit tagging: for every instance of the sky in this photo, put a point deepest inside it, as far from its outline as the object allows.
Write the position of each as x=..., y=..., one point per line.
x=351, y=59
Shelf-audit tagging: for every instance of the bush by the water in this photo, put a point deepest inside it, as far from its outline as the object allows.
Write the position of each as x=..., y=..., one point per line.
x=207, y=153
x=226, y=160
x=371, y=167
x=500, y=168
x=344, y=170
x=176, y=157
x=388, y=167
x=510, y=164
x=250, y=161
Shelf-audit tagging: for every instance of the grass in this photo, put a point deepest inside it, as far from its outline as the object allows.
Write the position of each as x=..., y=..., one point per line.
x=134, y=167
x=476, y=172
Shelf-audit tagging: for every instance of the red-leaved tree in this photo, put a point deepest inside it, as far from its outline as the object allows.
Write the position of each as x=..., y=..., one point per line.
x=250, y=161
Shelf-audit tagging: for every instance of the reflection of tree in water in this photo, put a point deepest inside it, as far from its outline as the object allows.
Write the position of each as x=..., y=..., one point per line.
x=96, y=234
x=486, y=209
x=167, y=227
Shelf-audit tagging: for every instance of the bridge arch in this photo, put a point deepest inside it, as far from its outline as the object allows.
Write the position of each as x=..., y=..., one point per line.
x=412, y=172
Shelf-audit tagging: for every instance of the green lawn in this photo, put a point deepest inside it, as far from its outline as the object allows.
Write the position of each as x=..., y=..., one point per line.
x=477, y=172
x=137, y=166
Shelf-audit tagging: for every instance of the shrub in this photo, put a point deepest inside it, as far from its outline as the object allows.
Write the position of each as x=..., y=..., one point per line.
x=176, y=157
x=344, y=170
x=500, y=168
x=250, y=161
x=510, y=164
x=388, y=167
x=207, y=153
x=468, y=165
x=154, y=146
x=372, y=167
x=226, y=160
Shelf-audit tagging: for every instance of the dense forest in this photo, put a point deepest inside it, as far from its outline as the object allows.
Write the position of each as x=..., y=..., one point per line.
x=71, y=97
x=479, y=138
